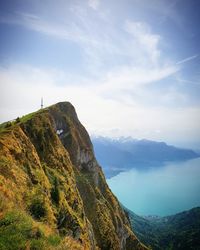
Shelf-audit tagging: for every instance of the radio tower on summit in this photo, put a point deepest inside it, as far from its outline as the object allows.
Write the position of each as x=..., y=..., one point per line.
x=42, y=103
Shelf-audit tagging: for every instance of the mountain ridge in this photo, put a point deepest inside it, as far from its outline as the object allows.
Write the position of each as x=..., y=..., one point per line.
x=180, y=231
x=116, y=155
x=48, y=172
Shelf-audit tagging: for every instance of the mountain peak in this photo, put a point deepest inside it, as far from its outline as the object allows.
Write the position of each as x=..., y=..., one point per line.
x=49, y=170
x=62, y=106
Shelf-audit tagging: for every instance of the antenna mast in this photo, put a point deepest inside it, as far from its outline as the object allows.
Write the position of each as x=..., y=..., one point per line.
x=42, y=103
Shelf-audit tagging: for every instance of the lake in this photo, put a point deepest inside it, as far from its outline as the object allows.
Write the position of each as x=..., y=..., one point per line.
x=161, y=191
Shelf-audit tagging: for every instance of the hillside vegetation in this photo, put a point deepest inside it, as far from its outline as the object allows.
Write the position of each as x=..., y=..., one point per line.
x=53, y=194
x=176, y=232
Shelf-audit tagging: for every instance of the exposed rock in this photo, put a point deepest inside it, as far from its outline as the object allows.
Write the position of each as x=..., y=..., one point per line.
x=49, y=159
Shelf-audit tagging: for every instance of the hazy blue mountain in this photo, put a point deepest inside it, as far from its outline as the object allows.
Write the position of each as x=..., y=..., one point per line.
x=116, y=155
x=176, y=232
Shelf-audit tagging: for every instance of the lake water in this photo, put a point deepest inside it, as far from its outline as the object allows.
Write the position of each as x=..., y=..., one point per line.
x=159, y=191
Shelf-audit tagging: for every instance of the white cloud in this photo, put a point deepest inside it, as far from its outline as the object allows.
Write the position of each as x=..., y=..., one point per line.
x=103, y=41
x=104, y=46
x=187, y=59
x=131, y=78
x=121, y=59
x=188, y=81
x=22, y=88
x=147, y=41
x=94, y=4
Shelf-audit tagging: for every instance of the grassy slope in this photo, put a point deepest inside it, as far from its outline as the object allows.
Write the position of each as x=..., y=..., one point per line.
x=27, y=183
x=45, y=189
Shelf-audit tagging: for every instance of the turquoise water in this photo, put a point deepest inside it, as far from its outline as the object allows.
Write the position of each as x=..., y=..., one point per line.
x=161, y=190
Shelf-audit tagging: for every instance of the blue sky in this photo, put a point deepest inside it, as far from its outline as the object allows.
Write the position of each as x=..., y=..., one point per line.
x=131, y=67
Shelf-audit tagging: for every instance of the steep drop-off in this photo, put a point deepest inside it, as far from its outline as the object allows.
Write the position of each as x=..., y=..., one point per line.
x=53, y=194
x=176, y=232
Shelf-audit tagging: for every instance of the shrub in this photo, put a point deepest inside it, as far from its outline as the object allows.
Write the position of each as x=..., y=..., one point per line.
x=37, y=244
x=38, y=208
x=8, y=124
x=55, y=192
x=17, y=120
x=54, y=240
x=15, y=228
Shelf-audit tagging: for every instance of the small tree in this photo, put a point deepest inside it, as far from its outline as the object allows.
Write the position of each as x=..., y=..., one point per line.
x=18, y=120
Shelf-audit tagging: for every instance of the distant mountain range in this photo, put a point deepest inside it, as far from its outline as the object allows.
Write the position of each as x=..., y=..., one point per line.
x=176, y=232
x=117, y=155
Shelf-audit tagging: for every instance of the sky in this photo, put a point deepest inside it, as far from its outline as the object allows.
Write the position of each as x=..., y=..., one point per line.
x=130, y=67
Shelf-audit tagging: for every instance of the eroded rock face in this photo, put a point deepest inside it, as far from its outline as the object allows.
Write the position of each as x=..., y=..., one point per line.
x=103, y=209
x=54, y=156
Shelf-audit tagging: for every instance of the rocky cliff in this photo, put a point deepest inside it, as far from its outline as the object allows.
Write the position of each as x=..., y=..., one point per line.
x=53, y=193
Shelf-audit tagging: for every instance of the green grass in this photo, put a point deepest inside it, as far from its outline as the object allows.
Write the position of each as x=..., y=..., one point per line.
x=6, y=126
x=27, y=117
x=15, y=230
x=18, y=231
x=57, y=198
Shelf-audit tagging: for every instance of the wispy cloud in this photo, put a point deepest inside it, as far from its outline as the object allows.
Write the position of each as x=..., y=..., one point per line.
x=122, y=59
x=187, y=59
x=146, y=40
x=29, y=84
x=94, y=4
x=132, y=78
x=104, y=43
x=188, y=81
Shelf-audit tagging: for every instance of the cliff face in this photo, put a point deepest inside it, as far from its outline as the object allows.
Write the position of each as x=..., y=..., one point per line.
x=49, y=174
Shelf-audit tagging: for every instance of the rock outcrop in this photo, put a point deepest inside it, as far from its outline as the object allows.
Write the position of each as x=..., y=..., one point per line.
x=48, y=171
